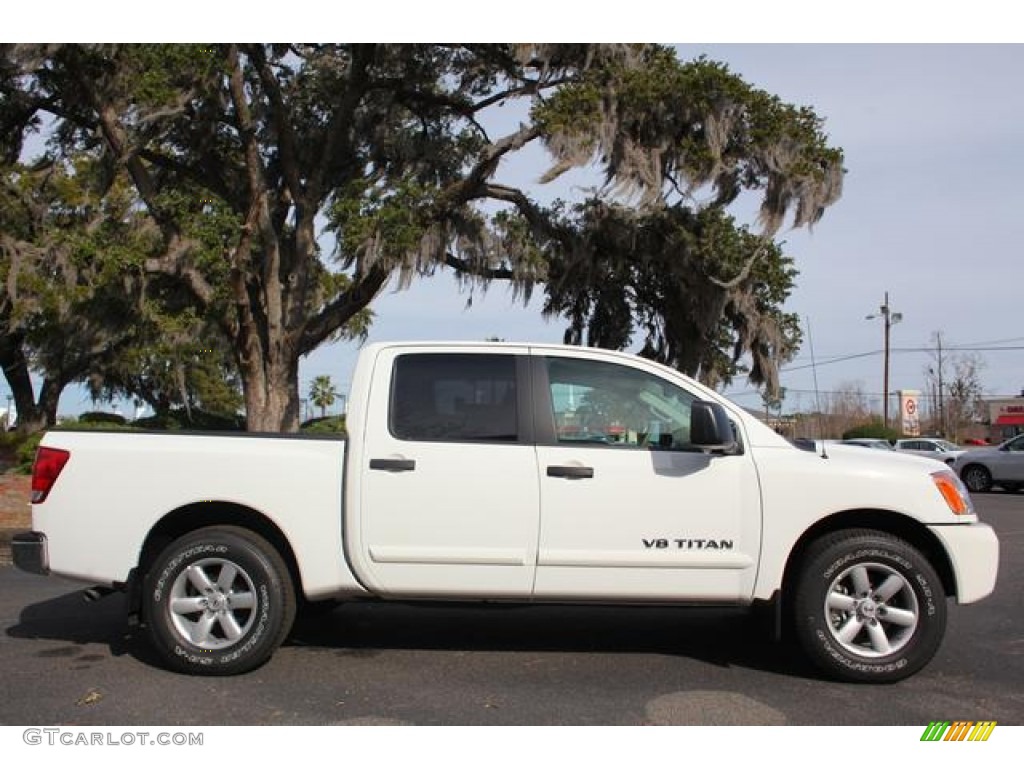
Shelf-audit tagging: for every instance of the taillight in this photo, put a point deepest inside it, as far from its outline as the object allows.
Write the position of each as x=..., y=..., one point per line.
x=47, y=467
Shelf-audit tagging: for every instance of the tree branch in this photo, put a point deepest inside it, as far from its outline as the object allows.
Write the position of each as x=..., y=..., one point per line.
x=343, y=308
x=475, y=181
x=342, y=119
x=279, y=115
x=464, y=267
x=747, y=268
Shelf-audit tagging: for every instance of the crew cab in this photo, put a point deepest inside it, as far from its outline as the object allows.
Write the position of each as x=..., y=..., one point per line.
x=513, y=472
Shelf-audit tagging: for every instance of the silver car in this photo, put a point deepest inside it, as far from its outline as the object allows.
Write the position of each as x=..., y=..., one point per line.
x=868, y=442
x=932, y=447
x=1001, y=465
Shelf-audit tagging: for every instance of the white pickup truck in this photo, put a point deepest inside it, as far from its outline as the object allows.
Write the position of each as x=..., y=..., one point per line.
x=507, y=472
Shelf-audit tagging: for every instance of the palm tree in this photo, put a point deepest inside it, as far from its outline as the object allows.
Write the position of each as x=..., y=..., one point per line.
x=322, y=393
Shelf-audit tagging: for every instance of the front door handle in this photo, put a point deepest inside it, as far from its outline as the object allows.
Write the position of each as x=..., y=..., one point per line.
x=573, y=473
x=393, y=465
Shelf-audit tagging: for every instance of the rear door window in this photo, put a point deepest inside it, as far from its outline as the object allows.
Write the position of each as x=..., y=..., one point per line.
x=454, y=397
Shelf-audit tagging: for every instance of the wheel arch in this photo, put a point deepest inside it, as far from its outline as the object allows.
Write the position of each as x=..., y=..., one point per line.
x=907, y=528
x=192, y=517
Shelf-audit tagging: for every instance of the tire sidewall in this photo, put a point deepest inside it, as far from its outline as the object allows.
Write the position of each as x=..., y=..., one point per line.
x=249, y=554
x=985, y=478
x=812, y=621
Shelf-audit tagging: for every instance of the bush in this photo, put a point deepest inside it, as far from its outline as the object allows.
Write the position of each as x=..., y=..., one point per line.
x=872, y=429
x=203, y=421
x=158, y=422
x=324, y=425
x=26, y=452
x=100, y=417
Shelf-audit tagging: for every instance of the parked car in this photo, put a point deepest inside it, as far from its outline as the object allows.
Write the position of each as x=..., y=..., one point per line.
x=869, y=442
x=1002, y=465
x=932, y=447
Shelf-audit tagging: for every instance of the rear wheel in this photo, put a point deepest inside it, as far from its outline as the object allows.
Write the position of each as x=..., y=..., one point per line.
x=218, y=601
x=868, y=607
x=977, y=478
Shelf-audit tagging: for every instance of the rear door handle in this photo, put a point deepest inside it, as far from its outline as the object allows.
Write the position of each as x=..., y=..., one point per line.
x=393, y=465
x=573, y=473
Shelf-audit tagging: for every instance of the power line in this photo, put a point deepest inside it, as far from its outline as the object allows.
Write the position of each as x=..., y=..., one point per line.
x=897, y=350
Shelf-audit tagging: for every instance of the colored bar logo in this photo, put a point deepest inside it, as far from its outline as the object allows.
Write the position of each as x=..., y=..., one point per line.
x=961, y=730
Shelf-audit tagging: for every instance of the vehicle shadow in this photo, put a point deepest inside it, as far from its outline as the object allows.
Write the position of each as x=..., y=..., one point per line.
x=723, y=637
x=719, y=636
x=72, y=619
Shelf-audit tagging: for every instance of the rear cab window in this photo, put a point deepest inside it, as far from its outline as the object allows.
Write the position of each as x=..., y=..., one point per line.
x=457, y=397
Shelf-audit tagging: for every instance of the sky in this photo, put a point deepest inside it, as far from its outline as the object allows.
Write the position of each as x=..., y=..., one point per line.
x=930, y=212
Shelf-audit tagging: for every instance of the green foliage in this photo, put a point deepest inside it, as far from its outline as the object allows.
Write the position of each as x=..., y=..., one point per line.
x=659, y=120
x=872, y=429
x=194, y=420
x=70, y=274
x=76, y=425
x=323, y=393
x=175, y=361
x=25, y=453
x=325, y=425
x=703, y=291
x=101, y=417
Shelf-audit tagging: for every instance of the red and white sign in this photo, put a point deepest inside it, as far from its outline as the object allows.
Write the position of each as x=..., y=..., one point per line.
x=910, y=420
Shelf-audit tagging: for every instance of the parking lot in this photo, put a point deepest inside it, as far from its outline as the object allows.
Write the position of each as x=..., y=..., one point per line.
x=70, y=662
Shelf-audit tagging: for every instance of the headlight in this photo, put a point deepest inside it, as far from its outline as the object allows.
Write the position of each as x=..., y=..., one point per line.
x=953, y=491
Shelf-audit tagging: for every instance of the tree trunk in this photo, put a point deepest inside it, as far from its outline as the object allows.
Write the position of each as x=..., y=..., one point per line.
x=32, y=417
x=49, y=399
x=271, y=391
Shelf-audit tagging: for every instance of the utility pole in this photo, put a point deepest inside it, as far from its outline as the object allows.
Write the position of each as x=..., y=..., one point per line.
x=889, y=319
x=942, y=410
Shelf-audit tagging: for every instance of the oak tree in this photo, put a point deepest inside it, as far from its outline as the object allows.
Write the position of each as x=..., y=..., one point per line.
x=289, y=183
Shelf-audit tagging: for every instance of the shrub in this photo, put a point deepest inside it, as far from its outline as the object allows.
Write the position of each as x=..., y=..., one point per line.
x=872, y=429
x=203, y=421
x=26, y=452
x=324, y=425
x=100, y=417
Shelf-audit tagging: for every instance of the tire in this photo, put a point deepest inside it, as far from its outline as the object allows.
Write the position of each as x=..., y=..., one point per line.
x=976, y=478
x=868, y=607
x=218, y=601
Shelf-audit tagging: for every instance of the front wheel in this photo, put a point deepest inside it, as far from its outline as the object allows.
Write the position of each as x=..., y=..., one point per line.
x=218, y=601
x=868, y=607
x=977, y=478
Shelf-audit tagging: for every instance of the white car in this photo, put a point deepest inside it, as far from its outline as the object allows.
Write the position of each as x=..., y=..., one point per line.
x=932, y=447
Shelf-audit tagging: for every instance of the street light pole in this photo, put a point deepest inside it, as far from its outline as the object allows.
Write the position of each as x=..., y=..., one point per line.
x=889, y=319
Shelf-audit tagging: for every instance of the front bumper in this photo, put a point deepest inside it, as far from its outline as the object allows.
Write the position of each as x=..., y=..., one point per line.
x=974, y=553
x=28, y=550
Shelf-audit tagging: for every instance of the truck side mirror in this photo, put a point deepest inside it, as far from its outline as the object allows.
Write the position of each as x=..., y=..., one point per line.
x=710, y=427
